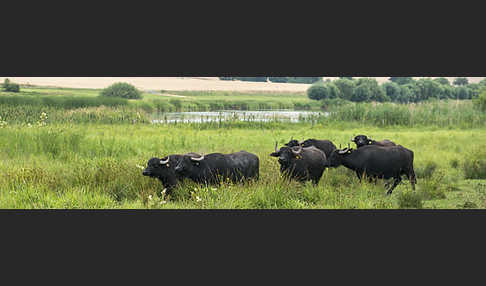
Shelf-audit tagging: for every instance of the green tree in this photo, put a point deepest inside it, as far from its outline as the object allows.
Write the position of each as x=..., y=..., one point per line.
x=123, y=90
x=332, y=91
x=392, y=90
x=462, y=92
x=461, y=81
x=409, y=92
x=10, y=86
x=480, y=101
x=316, y=91
x=369, y=90
x=346, y=88
x=442, y=80
x=323, y=91
x=361, y=93
x=448, y=92
x=346, y=77
x=406, y=94
x=428, y=88
x=474, y=89
x=401, y=80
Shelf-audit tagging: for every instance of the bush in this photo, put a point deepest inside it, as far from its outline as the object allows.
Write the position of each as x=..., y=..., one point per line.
x=123, y=90
x=433, y=188
x=480, y=102
x=409, y=200
x=317, y=92
x=475, y=164
x=9, y=86
x=427, y=171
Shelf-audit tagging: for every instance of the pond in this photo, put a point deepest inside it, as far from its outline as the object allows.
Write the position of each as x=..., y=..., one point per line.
x=236, y=115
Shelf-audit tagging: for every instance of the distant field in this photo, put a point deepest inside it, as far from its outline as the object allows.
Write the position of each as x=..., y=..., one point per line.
x=176, y=83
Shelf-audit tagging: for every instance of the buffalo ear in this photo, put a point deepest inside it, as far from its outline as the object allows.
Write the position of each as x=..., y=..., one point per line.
x=274, y=154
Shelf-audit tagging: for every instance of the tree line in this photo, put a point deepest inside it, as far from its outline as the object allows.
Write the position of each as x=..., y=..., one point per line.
x=398, y=89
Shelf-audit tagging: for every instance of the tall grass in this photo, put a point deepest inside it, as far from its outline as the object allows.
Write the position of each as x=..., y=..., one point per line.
x=61, y=102
x=98, y=166
x=436, y=113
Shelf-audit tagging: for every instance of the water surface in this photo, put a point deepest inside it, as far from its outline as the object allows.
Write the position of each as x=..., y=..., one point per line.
x=236, y=115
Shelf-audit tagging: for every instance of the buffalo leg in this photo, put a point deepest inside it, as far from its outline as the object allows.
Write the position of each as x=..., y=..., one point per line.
x=413, y=179
x=395, y=184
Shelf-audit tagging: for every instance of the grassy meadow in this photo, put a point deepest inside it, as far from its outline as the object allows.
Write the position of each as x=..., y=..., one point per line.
x=85, y=153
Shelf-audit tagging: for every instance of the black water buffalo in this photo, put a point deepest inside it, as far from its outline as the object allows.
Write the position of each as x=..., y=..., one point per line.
x=163, y=169
x=302, y=164
x=216, y=167
x=377, y=161
x=362, y=140
x=325, y=146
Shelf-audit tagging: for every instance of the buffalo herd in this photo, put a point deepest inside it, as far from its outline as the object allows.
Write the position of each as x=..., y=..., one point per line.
x=301, y=161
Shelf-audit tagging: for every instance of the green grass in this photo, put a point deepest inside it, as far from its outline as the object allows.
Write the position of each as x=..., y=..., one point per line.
x=87, y=153
x=96, y=166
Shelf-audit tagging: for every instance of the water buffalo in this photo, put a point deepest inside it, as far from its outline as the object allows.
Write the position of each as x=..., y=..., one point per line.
x=325, y=146
x=377, y=161
x=216, y=167
x=362, y=140
x=302, y=164
x=163, y=169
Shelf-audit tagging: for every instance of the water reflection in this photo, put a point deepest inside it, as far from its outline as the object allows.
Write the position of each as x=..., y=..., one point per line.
x=236, y=115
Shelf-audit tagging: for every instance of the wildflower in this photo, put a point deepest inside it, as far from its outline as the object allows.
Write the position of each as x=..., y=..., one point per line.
x=140, y=167
x=163, y=202
x=150, y=197
x=198, y=199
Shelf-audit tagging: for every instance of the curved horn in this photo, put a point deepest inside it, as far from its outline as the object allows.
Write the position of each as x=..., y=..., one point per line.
x=276, y=145
x=162, y=162
x=297, y=152
x=340, y=147
x=198, y=159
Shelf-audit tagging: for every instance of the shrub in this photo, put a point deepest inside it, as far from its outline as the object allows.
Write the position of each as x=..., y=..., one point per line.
x=323, y=91
x=475, y=164
x=177, y=103
x=409, y=200
x=123, y=90
x=433, y=188
x=468, y=205
x=427, y=171
x=317, y=92
x=480, y=101
x=9, y=86
x=454, y=163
